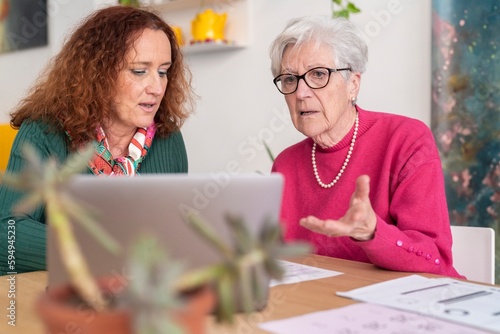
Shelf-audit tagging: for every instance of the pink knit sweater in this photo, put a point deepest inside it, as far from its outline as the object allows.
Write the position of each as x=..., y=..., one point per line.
x=406, y=191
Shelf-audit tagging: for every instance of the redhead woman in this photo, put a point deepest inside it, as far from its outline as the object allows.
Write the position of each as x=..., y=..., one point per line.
x=119, y=82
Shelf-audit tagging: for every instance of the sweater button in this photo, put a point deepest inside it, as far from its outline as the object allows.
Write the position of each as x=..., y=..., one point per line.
x=436, y=261
x=399, y=243
x=420, y=253
x=428, y=257
x=411, y=249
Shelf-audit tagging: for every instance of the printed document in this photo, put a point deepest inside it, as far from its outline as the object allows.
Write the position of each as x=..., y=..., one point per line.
x=365, y=318
x=449, y=299
x=296, y=272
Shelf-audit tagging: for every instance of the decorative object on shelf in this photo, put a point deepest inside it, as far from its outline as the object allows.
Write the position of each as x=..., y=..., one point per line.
x=343, y=8
x=179, y=35
x=208, y=26
x=466, y=109
x=231, y=20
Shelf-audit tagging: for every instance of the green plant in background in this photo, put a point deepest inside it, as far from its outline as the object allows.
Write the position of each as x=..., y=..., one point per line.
x=269, y=152
x=43, y=182
x=133, y=3
x=343, y=8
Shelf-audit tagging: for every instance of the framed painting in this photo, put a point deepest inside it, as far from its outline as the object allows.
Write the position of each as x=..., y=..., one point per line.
x=23, y=24
x=466, y=109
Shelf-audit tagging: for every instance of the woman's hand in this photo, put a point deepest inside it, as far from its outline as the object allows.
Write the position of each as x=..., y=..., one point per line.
x=359, y=222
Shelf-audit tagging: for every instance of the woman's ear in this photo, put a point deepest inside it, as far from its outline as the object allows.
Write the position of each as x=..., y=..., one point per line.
x=354, y=82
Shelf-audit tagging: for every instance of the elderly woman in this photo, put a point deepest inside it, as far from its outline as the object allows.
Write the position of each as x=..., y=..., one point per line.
x=119, y=82
x=364, y=186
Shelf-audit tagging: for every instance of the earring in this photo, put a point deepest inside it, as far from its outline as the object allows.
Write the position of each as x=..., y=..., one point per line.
x=353, y=101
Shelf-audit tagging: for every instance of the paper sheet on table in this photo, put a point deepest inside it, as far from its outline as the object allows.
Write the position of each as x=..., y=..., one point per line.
x=445, y=298
x=296, y=272
x=365, y=318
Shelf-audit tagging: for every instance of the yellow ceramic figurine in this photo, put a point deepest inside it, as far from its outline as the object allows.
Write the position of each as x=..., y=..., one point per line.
x=208, y=26
x=178, y=35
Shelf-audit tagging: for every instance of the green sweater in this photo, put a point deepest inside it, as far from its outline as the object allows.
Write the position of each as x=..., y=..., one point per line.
x=26, y=235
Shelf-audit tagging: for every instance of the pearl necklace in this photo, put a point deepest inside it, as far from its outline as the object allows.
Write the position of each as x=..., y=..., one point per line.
x=315, y=169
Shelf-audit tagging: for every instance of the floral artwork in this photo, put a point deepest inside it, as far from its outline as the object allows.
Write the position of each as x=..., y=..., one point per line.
x=23, y=24
x=466, y=109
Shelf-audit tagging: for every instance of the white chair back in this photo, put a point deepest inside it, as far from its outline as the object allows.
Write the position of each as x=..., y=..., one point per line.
x=474, y=252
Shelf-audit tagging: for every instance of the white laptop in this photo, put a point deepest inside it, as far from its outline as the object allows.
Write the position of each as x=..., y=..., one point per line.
x=155, y=204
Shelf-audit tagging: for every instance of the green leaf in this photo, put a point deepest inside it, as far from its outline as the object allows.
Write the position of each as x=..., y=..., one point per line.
x=269, y=152
x=259, y=290
x=245, y=284
x=199, y=277
x=338, y=2
x=243, y=241
x=352, y=8
x=43, y=183
x=208, y=234
x=83, y=215
x=32, y=158
x=270, y=234
x=293, y=249
x=28, y=203
x=76, y=162
x=225, y=308
x=274, y=269
x=341, y=13
x=14, y=181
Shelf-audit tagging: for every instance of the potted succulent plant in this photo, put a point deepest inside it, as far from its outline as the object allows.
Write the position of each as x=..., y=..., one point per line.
x=154, y=300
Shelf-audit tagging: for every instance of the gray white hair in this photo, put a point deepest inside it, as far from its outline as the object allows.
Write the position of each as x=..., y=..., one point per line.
x=343, y=38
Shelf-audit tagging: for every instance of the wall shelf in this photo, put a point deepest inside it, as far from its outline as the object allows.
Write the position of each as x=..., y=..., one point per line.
x=168, y=5
x=209, y=47
x=182, y=12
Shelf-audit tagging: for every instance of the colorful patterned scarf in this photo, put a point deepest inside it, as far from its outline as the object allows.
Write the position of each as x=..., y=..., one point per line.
x=103, y=162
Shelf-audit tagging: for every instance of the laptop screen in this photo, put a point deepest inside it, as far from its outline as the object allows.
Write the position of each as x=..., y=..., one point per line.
x=156, y=204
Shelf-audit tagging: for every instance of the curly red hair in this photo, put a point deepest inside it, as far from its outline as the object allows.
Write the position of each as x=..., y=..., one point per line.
x=76, y=88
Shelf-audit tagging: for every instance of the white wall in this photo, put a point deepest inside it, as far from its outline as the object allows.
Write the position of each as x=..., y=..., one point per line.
x=239, y=107
x=398, y=76
x=18, y=70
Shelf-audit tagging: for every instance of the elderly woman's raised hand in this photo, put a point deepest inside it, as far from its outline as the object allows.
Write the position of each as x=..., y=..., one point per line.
x=359, y=222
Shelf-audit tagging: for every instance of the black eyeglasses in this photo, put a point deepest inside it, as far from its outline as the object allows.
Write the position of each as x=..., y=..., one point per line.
x=315, y=78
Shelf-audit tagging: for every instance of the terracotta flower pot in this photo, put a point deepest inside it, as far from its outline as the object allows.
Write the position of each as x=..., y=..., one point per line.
x=62, y=311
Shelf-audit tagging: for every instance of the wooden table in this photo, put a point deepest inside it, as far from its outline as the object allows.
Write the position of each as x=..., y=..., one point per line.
x=284, y=300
